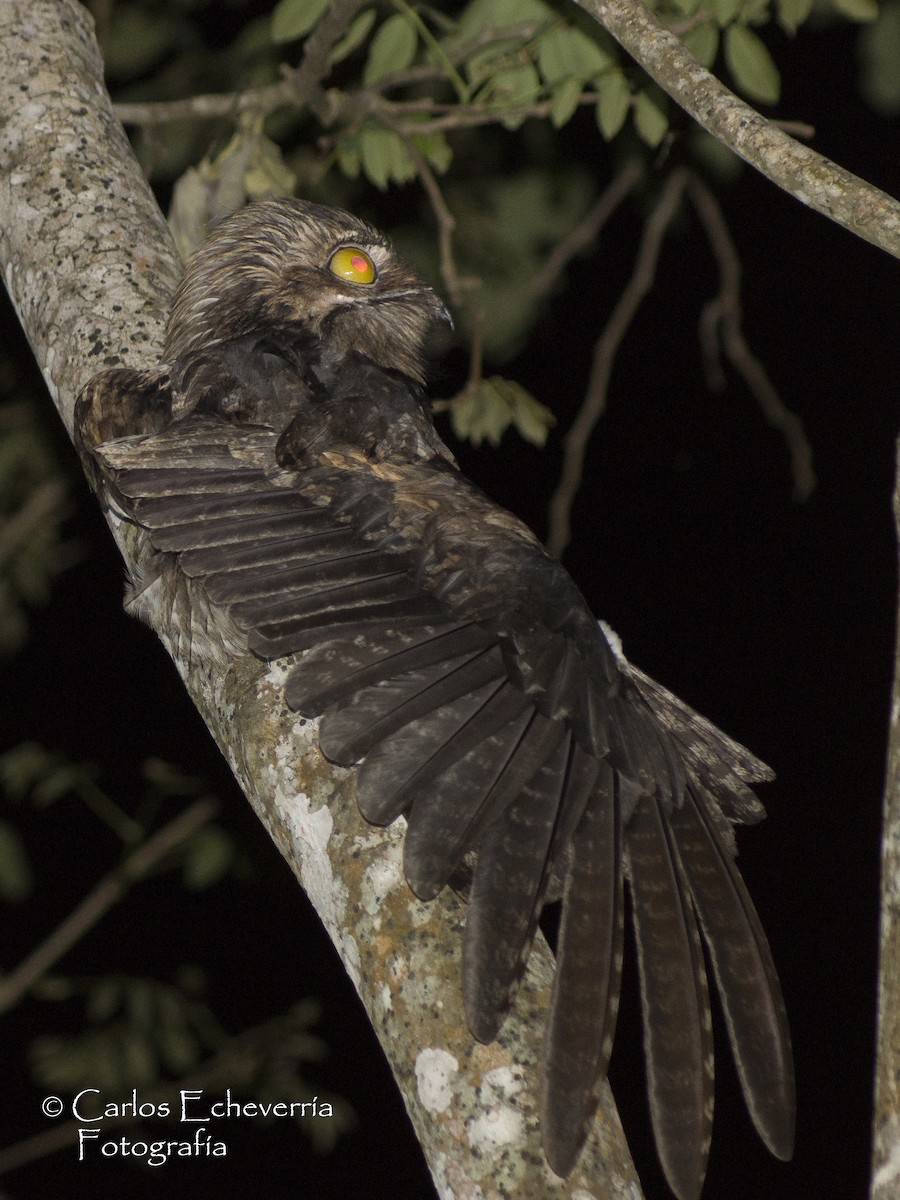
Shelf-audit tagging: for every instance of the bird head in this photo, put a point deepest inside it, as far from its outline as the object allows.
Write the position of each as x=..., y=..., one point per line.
x=287, y=263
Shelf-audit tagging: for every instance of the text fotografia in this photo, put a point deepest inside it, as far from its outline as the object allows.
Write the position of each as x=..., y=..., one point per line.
x=195, y=1109
x=153, y=1153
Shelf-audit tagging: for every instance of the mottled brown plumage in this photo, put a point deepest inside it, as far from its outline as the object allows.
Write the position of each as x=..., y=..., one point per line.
x=301, y=505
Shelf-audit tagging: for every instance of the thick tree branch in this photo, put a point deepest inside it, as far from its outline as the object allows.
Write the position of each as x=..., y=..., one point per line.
x=886, y=1122
x=805, y=174
x=90, y=265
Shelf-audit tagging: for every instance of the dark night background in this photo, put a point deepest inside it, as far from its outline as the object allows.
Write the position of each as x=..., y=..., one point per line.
x=772, y=618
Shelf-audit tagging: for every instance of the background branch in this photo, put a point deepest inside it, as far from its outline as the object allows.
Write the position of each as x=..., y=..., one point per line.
x=594, y=403
x=801, y=171
x=722, y=318
x=108, y=892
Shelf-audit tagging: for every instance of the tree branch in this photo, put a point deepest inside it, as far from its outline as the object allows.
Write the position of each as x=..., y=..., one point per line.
x=886, y=1118
x=97, y=903
x=90, y=265
x=805, y=174
x=723, y=317
x=594, y=403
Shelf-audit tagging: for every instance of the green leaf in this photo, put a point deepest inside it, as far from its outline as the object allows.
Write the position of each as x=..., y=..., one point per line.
x=725, y=11
x=492, y=15
x=531, y=419
x=208, y=857
x=486, y=409
x=751, y=65
x=879, y=49
x=293, y=18
x=393, y=49
x=359, y=30
x=348, y=156
x=858, y=10
x=514, y=87
x=567, y=53
x=435, y=148
x=651, y=116
x=614, y=103
x=16, y=882
x=703, y=42
x=564, y=101
x=384, y=157
x=267, y=173
x=792, y=13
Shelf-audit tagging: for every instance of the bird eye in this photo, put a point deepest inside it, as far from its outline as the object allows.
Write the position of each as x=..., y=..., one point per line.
x=352, y=264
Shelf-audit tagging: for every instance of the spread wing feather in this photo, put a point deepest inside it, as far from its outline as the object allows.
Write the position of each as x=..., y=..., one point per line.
x=677, y=1023
x=745, y=973
x=585, y=998
x=451, y=656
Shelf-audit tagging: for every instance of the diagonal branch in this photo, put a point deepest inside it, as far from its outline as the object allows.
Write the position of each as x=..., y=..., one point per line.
x=108, y=892
x=805, y=174
x=90, y=266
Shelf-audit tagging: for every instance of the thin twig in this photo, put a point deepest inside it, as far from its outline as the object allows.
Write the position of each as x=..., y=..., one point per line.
x=721, y=322
x=594, y=403
x=291, y=90
x=300, y=88
x=100, y=900
x=45, y=504
x=454, y=283
x=586, y=230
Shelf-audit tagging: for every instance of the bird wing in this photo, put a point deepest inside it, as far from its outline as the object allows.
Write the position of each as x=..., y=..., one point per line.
x=458, y=664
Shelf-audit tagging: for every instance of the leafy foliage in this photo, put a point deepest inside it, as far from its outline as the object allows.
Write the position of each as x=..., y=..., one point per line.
x=137, y=1031
x=410, y=83
x=486, y=409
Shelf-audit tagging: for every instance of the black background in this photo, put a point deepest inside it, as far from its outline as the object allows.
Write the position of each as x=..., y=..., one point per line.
x=772, y=618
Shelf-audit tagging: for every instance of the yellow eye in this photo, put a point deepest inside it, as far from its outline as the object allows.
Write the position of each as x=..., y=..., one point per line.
x=352, y=264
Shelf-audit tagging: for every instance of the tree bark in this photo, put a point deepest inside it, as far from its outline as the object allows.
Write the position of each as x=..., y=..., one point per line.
x=886, y=1125
x=91, y=267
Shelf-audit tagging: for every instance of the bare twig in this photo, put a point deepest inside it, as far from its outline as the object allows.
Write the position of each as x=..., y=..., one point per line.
x=454, y=283
x=45, y=504
x=100, y=900
x=721, y=321
x=587, y=229
x=806, y=175
x=594, y=403
x=300, y=88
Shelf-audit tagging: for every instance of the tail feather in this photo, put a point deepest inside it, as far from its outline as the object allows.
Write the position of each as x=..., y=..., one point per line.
x=506, y=896
x=745, y=974
x=675, y=1000
x=585, y=997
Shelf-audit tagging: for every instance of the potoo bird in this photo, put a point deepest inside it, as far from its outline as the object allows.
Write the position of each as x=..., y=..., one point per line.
x=301, y=505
